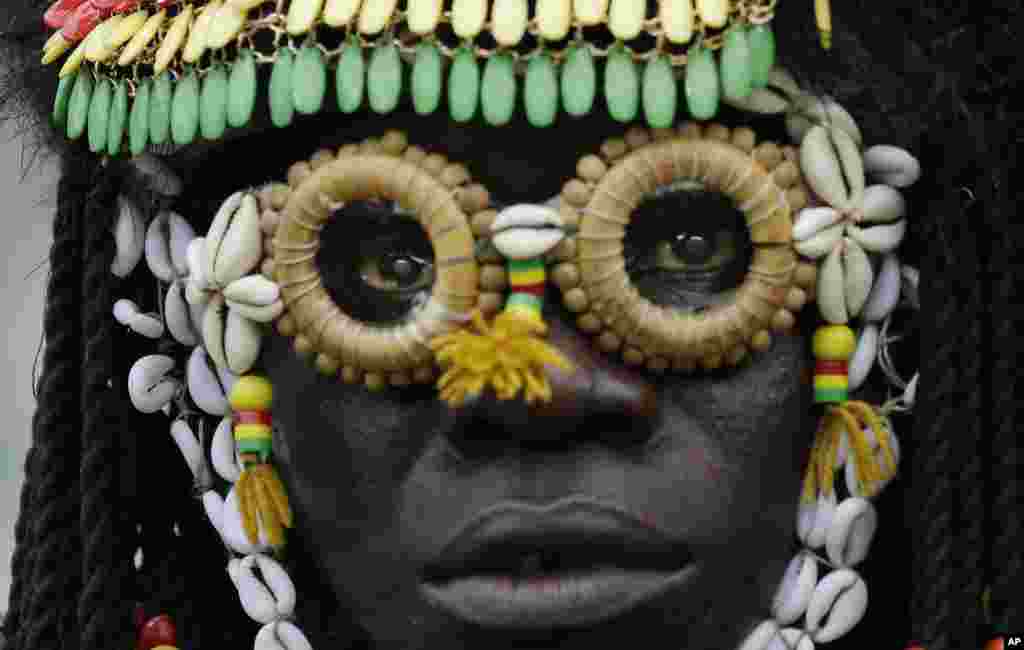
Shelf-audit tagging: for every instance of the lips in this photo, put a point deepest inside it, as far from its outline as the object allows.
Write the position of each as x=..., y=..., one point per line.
x=574, y=562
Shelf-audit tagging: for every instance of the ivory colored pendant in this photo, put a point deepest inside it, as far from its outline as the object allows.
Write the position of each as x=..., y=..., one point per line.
x=174, y=40
x=579, y=81
x=242, y=90
x=81, y=99
x=375, y=15
x=508, y=22
x=99, y=111
x=302, y=14
x=427, y=75
x=142, y=38
x=468, y=17
x=423, y=15
x=621, y=86
x=138, y=120
x=384, y=79
x=464, y=86
x=714, y=13
x=126, y=29
x=554, y=18
x=98, y=49
x=626, y=18
x=185, y=110
x=351, y=78
x=196, y=43
x=160, y=109
x=590, y=12
x=677, y=20
x=498, y=90
x=540, y=91
x=118, y=119
x=309, y=81
x=282, y=105
x=338, y=13
x=213, y=104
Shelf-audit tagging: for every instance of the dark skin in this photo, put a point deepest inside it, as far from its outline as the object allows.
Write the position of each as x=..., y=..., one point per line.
x=381, y=481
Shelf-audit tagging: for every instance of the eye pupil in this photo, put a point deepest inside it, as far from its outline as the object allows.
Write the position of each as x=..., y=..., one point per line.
x=694, y=248
x=402, y=268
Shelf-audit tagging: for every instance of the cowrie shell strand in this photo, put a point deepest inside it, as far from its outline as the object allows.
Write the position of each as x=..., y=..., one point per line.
x=232, y=340
x=853, y=528
x=886, y=291
x=794, y=592
x=864, y=356
x=234, y=531
x=267, y=600
x=204, y=385
x=761, y=636
x=148, y=386
x=184, y=320
x=843, y=596
x=213, y=242
x=281, y=635
x=253, y=291
x=129, y=236
x=892, y=165
x=166, y=246
x=222, y=451
x=832, y=164
x=879, y=239
x=791, y=638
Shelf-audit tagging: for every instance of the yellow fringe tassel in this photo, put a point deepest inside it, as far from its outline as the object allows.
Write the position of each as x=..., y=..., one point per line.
x=262, y=499
x=849, y=418
x=508, y=355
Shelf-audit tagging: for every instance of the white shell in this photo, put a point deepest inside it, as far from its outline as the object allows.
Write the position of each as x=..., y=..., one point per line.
x=148, y=325
x=882, y=204
x=124, y=311
x=779, y=77
x=892, y=165
x=811, y=221
x=281, y=635
x=840, y=117
x=257, y=313
x=911, y=391
x=822, y=243
x=791, y=638
x=190, y=449
x=234, y=531
x=232, y=340
x=864, y=356
x=843, y=596
x=886, y=291
x=195, y=254
x=882, y=238
x=853, y=528
x=197, y=297
x=761, y=636
x=148, y=387
x=831, y=289
x=280, y=584
x=814, y=519
x=222, y=452
x=858, y=276
x=213, y=504
x=160, y=177
x=526, y=230
x=166, y=244
x=253, y=290
x=204, y=385
x=833, y=167
x=234, y=243
x=184, y=320
x=258, y=600
x=130, y=236
x=794, y=592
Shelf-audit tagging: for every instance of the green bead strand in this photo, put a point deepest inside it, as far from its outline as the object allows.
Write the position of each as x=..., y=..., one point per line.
x=464, y=86
x=579, y=81
x=160, y=109
x=213, y=104
x=498, y=90
x=703, y=92
x=78, y=109
x=427, y=78
x=384, y=79
x=282, y=104
x=309, y=81
x=540, y=91
x=99, y=114
x=659, y=93
x=242, y=90
x=737, y=70
x=138, y=120
x=59, y=117
x=762, y=53
x=621, y=85
x=351, y=77
x=118, y=119
x=185, y=110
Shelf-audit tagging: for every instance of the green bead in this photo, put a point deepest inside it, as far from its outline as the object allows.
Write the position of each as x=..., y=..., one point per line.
x=737, y=71
x=60, y=102
x=540, y=91
x=621, y=86
x=762, y=53
x=185, y=110
x=579, y=81
x=384, y=79
x=282, y=105
x=309, y=81
x=213, y=104
x=160, y=109
x=242, y=90
x=138, y=120
x=118, y=119
x=498, y=90
x=427, y=73
x=351, y=78
x=659, y=93
x=464, y=86
x=702, y=85
x=99, y=114
x=78, y=109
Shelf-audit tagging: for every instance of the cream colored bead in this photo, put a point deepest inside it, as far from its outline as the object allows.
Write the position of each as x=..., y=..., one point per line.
x=566, y=276
x=174, y=40
x=508, y=21
x=589, y=323
x=677, y=20
x=468, y=17
x=423, y=15
x=302, y=15
x=98, y=50
x=394, y=142
x=626, y=18
x=590, y=12
x=338, y=13
x=576, y=192
x=714, y=13
x=196, y=44
x=375, y=16
x=613, y=148
x=576, y=300
x=591, y=168
x=142, y=38
x=554, y=18
x=225, y=26
x=127, y=28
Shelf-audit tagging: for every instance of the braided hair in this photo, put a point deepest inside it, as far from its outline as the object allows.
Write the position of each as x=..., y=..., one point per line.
x=94, y=537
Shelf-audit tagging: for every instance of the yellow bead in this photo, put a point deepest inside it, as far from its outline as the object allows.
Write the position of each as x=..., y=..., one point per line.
x=142, y=38
x=225, y=26
x=253, y=432
x=251, y=393
x=714, y=13
x=830, y=382
x=174, y=40
x=127, y=28
x=302, y=15
x=375, y=16
x=338, y=13
x=626, y=18
x=75, y=60
x=196, y=43
x=834, y=343
x=590, y=12
x=54, y=48
x=509, y=21
x=423, y=15
x=554, y=18
x=677, y=20
x=98, y=51
x=468, y=17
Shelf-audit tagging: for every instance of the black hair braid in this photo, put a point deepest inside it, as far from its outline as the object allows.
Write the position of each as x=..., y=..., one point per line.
x=21, y=560
x=53, y=533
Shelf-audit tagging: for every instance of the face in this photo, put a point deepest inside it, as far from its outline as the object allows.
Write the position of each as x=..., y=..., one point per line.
x=687, y=483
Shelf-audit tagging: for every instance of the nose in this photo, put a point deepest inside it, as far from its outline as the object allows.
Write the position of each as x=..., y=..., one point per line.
x=599, y=400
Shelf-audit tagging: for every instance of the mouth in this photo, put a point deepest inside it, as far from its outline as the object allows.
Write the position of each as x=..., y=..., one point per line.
x=573, y=563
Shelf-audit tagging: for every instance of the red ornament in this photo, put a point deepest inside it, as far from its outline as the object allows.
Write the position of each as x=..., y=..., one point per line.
x=140, y=617
x=79, y=24
x=59, y=11
x=157, y=631
x=124, y=6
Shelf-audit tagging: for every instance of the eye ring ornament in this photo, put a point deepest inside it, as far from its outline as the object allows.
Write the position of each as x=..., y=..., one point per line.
x=764, y=183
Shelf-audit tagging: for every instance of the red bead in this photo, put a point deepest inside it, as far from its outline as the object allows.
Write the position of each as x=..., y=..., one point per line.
x=157, y=631
x=105, y=6
x=253, y=417
x=124, y=6
x=59, y=11
x=80, y=23
x=830, y=367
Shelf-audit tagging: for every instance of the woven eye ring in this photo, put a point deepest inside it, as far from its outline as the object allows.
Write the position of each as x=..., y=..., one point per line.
x=436, y=192
x=763, y=182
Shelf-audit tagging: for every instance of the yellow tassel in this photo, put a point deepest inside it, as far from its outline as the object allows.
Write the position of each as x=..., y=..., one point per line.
x=867, y=413
x=508, y=356
x=262, y=499
x=247, y=506
x=823, y=15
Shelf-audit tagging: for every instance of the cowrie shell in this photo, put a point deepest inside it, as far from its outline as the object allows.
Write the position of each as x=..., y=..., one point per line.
x=881, y=238
x=148, y=386
x=864, y=355
x=843, y=596
x=190, y=448
x=811, y=221
x=892, y=165
x=813, y=520
x=213, y=504
x=167, y=241
x=264, y=600
x=130, y=237
x=234, y=531
x=832, y=164
x=124, y=311
x=158, y=176
x=526, y=230
x=195, y=258
x=794, y=592
x=791, y=638
x=204, y=384
x=849, y=537
x=886, y=291
x=281, y=635
x=911, y=391
x=764, y=101
x=223, y=451
x=255, y=297
x=761, y=636
x=858, y=276
x=234, y=242
x=882, y=204
x=184, y=320
x=820, y=244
